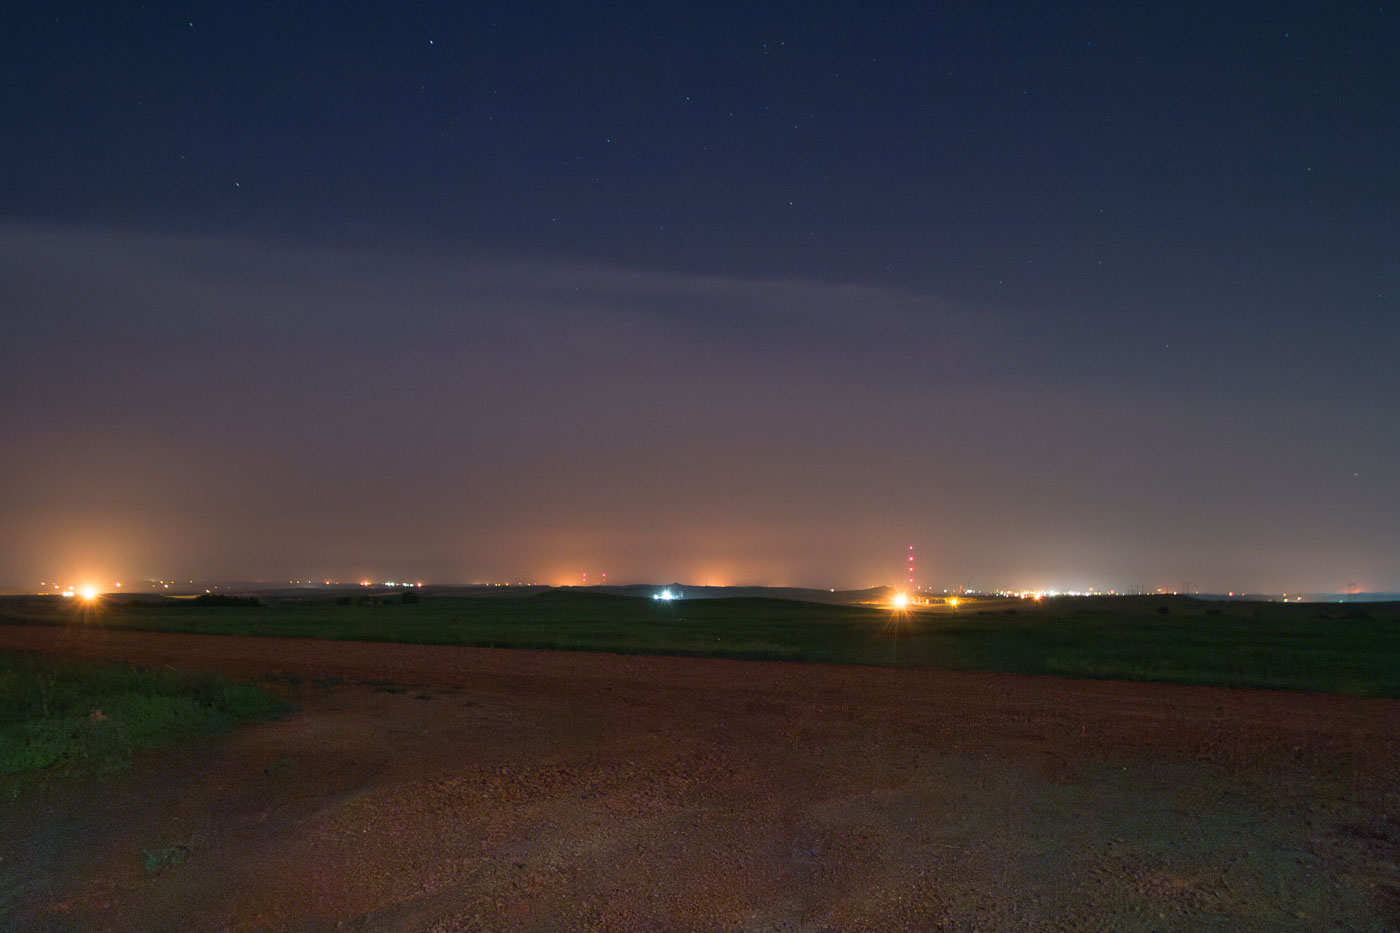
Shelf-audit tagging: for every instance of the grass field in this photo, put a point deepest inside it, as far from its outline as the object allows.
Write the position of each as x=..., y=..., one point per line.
x=1352, y=649
x=64, y=714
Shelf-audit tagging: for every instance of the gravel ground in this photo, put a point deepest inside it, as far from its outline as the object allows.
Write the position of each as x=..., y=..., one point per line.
x=432, y=788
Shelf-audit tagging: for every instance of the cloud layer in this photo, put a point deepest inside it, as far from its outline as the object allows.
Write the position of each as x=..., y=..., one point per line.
x=237, y=408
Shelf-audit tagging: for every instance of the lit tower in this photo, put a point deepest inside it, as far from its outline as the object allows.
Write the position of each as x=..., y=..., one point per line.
x=911, y=567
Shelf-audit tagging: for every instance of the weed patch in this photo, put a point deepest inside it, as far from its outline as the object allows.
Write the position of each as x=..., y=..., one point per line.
x=158, y=860
x=57, y=713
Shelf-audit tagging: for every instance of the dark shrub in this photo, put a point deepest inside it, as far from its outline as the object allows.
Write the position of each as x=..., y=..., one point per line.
x=221, y=599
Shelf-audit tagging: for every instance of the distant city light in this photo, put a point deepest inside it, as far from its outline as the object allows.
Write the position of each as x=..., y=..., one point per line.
x=88, y=592
x=664, y=594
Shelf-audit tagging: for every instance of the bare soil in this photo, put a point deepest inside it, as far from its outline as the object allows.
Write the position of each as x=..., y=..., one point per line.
x=435, y=788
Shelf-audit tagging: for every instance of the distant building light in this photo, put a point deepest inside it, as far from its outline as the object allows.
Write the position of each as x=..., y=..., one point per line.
x=664, y=594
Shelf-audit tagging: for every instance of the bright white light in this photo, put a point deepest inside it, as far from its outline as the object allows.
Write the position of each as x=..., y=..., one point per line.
x=900, y=601
x=88, y=592
x=664, y=594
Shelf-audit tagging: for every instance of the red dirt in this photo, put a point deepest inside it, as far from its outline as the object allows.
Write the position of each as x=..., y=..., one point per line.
x=559, y=791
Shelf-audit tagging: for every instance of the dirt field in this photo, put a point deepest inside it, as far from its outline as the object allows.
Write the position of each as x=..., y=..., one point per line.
x=428, y=788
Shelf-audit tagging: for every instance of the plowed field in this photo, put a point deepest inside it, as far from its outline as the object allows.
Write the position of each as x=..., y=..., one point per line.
x=435, y=788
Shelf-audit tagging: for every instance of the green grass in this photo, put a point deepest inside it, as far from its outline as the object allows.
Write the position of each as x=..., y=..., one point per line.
x=1323, y=647
x=65, y=714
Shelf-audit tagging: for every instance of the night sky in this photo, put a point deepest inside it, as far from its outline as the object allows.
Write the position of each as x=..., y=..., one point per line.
x=1065, y=295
